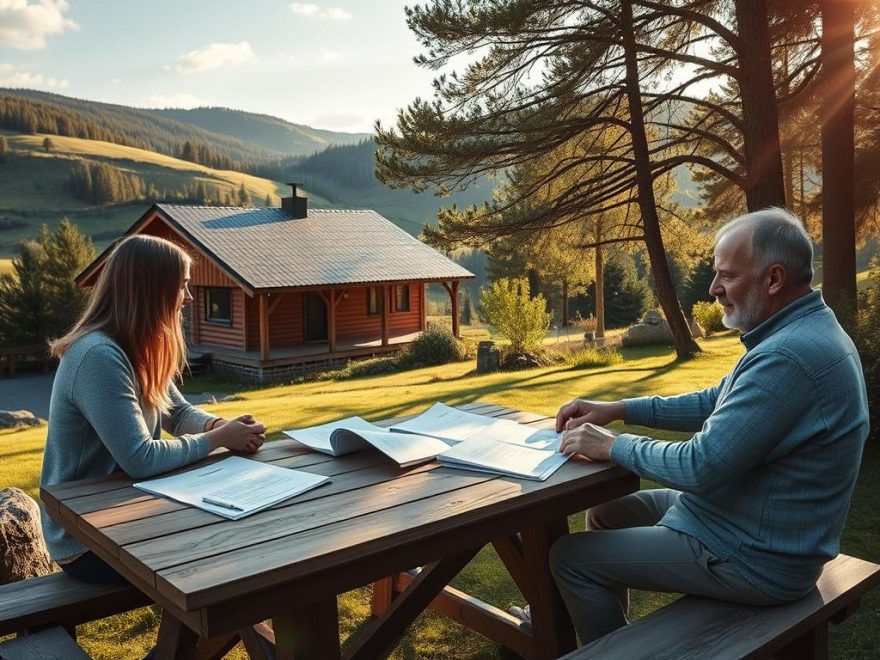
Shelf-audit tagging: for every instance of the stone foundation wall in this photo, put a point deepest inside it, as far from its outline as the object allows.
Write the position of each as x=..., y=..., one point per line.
x=277, y=374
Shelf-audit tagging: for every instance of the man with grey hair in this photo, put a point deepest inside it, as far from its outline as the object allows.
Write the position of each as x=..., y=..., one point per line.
x=756, y=498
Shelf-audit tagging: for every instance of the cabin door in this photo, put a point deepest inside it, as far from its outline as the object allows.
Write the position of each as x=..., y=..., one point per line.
x=316, y=317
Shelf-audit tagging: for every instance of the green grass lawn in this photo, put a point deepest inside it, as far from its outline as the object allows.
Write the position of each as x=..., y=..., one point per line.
x=542, y=390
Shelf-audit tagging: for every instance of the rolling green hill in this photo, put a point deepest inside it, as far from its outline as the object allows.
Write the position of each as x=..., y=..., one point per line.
x=35, y=190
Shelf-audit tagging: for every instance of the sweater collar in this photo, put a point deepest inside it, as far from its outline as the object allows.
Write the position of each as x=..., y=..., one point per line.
x=802, y=306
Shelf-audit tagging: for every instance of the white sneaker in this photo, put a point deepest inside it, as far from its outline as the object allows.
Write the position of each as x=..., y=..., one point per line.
x=524, y=614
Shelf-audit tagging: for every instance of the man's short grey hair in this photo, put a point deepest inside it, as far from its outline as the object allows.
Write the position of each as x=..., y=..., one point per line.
x=778, y=237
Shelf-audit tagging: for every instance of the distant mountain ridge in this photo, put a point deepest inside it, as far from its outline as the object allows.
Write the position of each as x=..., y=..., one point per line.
x=240, y=135
x=270, y=133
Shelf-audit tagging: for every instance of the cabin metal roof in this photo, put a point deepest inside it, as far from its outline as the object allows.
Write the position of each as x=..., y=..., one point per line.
x=267, y=248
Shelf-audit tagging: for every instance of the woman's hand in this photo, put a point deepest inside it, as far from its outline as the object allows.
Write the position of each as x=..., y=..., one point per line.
x=580, y=412
x=243, y=434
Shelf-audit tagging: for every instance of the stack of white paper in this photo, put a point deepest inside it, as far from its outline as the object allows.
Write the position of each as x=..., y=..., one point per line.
x=455, y=437
x=234, y=487
x=518, y=460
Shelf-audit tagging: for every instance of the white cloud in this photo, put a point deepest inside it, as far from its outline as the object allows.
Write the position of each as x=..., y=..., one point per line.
x=24, y=26
x=182, y=100
x=314, y=11
x=328, y=55
x=214, y=56
x=14, y=75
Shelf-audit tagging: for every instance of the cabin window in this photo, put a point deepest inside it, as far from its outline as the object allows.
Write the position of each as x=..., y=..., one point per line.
x=401, y=298
x=373, y=306
x=218, y=306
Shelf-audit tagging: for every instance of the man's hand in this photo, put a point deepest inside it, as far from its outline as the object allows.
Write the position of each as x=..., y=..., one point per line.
x=589, y=440
x=580, y=411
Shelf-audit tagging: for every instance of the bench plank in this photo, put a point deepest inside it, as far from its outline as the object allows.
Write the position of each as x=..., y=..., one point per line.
x=51, y=643
x=696, y=627
x=58, y=599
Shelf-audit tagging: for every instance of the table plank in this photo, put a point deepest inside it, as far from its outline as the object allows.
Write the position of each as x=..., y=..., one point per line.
x=429, y=520
x=194, y=545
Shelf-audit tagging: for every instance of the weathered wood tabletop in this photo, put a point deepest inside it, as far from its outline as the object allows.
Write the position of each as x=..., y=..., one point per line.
x=218, y=579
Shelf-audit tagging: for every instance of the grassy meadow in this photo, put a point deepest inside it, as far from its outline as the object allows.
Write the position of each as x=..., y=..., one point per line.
x=644, y=371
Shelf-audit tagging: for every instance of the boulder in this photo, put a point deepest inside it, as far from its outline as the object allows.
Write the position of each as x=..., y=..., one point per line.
x=652, y=330
x=696, y=330
x=23, y=552
x=10, y=419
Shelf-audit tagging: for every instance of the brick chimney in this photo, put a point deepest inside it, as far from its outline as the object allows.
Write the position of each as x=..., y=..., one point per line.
x=297, y=207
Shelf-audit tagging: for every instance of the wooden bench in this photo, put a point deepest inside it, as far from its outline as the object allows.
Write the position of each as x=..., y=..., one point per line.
x=35, y=354
x=45, y=645
x=60, y=600
x=694, y=627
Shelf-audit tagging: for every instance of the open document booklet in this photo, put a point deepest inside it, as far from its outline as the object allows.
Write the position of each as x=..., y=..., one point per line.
x=454, y=437
x=234, y=487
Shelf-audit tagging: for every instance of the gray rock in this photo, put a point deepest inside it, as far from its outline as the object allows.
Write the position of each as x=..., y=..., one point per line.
x=652, y=330
x=696, y=330
x=23, y=552
x=10, y=419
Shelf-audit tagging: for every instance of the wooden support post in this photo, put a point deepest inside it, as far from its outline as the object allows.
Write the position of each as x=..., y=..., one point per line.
x=264, y=327
x=385, y=305
x=331, y=319
x=456, y=331
x=424, y=310
x=551, y=627
x=308, y=632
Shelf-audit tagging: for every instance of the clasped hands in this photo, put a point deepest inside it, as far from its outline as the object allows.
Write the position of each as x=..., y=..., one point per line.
x=581, y=423
x=244, y=434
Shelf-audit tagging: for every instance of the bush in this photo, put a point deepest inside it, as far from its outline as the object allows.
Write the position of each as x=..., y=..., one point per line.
x=708, y=316
x=521, y=320
x=435, y=345
x=586, y=358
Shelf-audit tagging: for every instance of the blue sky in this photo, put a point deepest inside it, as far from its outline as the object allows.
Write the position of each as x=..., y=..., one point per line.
x=337, y=65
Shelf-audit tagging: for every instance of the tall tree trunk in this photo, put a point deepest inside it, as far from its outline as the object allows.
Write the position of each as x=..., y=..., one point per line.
x=786, y=143
x=685, y=346
x=765, y=184
x=534, y=282
x=837, y=106
x=600, y=290
x=565, y=319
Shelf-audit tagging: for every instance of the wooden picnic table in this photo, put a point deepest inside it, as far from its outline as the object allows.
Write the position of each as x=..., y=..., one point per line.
x=218, y=579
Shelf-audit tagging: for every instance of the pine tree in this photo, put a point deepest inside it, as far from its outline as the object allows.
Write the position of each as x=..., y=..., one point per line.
x=268, y=201
x=48, y=145
x=24, y=306
x=41, y=300
x=244, y=197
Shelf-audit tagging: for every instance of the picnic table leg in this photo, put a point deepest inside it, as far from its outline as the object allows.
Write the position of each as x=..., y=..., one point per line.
x=176, y=641
x=552, y=629
x=308, y=631
x=385, y=630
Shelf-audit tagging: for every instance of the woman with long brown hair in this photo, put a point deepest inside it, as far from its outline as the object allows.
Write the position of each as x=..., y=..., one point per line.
x=114, y=391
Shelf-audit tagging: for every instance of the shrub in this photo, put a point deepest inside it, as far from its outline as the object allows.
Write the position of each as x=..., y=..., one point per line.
x=521, y=320
x=585, y=358
x=708, y=316
x=435, y=345
x=372, y=367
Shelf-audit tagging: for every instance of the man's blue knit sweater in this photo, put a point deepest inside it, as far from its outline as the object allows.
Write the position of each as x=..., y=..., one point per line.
x=768, y=475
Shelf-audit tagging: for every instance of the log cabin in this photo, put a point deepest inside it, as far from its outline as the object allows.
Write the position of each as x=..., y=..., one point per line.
x=280, y=292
